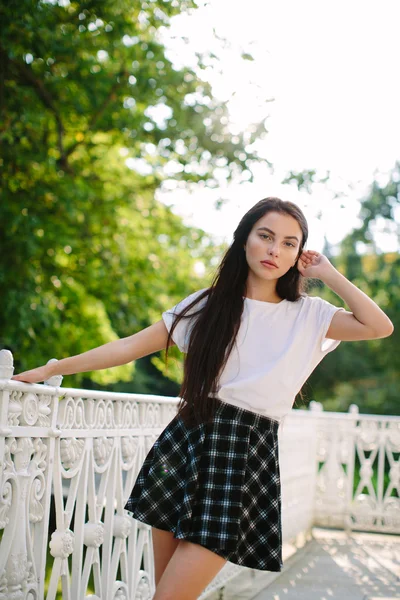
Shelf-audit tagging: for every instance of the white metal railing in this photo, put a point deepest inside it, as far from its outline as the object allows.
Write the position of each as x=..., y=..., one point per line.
x=78, y=453
x=358, y=480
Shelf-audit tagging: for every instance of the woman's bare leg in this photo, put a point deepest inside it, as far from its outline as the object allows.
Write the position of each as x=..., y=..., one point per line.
x=164, y=545
x=189, y=571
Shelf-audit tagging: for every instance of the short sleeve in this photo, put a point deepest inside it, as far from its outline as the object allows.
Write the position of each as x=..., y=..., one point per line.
x=324, y=312
x=181, y=333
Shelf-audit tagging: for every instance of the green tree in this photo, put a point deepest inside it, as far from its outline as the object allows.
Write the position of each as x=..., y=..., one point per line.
x=367, y=373
x=95, y=120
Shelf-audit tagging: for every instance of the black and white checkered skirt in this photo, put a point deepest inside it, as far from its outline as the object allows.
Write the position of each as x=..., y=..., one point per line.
x=217, y=485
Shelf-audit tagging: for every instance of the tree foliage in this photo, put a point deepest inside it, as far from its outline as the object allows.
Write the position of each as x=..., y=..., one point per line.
x=95, y=119
x=367, y=373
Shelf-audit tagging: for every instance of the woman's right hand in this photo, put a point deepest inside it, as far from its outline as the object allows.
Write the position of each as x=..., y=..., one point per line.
x=35, y=375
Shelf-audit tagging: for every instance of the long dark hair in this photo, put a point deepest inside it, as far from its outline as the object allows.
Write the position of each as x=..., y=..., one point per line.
x=214, y=331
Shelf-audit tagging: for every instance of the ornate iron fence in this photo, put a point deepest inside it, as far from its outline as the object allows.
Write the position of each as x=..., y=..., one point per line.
x=69, y=459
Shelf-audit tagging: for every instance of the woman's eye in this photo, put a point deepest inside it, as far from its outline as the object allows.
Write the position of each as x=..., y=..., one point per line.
x=263, y=235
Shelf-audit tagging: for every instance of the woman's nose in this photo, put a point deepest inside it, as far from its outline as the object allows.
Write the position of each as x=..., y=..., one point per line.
x=274, y=248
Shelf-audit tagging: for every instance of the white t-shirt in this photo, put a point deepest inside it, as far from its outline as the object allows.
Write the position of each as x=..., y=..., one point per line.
x=277, y=348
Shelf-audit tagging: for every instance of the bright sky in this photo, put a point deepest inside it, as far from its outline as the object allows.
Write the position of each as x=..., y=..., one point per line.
x=330, y=69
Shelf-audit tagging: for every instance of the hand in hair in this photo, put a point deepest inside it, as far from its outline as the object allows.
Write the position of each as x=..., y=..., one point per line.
x=313, y=264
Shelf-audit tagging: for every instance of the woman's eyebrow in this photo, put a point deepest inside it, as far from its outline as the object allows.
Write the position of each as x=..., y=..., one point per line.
x=273, y=233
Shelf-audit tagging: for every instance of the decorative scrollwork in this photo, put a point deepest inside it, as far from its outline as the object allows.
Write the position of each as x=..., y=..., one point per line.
x=71, y=451
x=6, y=499
x=102, y=448
x=22, y=449
x=129, y=447
x=40, y=454
x=14, y=408
x=130, y=415
x=30, y=410
x=152, y=415
x=72, y=414
x=36, y=510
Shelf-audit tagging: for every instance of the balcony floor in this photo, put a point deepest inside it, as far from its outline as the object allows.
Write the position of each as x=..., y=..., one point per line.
x=334, y=566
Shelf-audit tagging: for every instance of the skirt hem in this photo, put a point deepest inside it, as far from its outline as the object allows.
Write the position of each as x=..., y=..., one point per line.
x=220, y=552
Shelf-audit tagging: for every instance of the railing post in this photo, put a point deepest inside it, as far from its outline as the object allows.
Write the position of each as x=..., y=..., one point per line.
x=28, y=414
x=315, y=407
x=352, y=432
x=9, y=578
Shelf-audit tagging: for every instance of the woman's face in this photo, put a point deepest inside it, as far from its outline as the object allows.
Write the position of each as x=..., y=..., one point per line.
x=275, y=237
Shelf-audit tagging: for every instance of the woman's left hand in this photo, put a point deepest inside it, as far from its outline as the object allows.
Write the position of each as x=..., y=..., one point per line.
x=313, y=264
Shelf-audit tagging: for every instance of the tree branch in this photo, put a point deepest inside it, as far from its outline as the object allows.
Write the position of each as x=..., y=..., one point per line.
x=100, y=111
x=27, y=75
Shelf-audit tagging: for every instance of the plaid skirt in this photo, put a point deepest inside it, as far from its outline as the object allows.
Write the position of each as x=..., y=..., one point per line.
x=217, y=485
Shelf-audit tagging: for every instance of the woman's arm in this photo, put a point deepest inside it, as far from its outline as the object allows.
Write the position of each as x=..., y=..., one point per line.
x=112, y=354
x=366, y=321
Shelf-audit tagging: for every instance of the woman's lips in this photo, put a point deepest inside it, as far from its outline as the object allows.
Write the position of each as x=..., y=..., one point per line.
x=268, y=264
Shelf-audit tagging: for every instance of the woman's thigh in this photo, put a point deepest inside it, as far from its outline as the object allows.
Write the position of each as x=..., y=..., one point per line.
x=189, y=571
x=164, y=545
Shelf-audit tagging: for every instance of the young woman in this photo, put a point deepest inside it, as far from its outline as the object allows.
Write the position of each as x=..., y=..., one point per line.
x=210, y=485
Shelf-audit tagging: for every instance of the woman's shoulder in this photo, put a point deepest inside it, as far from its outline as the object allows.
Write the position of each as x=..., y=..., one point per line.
x=196, y=294
x=314, y=300
x=315, y=307
x=188, y=300
x=305, y=298
x=307, y=304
